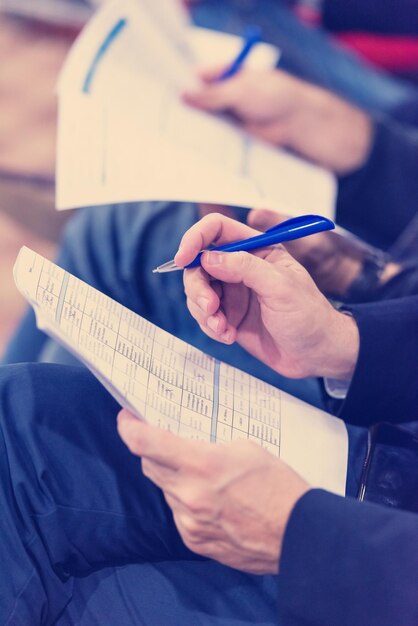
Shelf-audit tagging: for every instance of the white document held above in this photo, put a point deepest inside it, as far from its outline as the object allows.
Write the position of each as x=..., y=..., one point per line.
x=125, y=135
x=173, y=385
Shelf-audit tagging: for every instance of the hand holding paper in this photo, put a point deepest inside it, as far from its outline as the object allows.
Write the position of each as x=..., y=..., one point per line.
x=222, y=497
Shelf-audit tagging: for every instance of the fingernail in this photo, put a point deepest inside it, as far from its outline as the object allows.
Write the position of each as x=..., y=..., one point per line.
x=203, y=303
x=213, y=323
x=226, y=336
x=214, y=258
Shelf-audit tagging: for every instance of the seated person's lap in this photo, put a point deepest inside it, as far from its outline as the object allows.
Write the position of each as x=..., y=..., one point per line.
x=74, y=502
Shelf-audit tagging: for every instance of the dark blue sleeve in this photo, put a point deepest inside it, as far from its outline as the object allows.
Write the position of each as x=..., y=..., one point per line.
x=385, y=382
x=378, y=201
x=348, y=563
x=381, y=16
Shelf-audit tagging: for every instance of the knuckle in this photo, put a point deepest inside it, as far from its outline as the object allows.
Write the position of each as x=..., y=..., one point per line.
x=204, y=548
x=192, y=543
x=209, y=219
x=212, y=219
x=191, y=534
x=280, y=254
x=243, y=259
x=193, y=501
x=275, y=259
x=280, y=248
x=197, y=505
x=206, y=330
x=191, y=528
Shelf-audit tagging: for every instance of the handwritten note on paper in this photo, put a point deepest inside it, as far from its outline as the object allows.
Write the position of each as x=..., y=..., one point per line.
x=175, y=386
x=129, y=137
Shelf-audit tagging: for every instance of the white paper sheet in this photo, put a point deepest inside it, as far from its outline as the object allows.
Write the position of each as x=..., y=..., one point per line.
x=175, y=386
x=125, y=135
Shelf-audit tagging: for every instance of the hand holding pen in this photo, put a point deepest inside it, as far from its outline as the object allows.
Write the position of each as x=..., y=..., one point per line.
x=265, y=301
x=251, y=38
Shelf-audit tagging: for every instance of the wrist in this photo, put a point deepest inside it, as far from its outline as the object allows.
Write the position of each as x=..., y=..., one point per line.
x=350, y=128
x=284, y=502
x=339, y=350
x=355, y=150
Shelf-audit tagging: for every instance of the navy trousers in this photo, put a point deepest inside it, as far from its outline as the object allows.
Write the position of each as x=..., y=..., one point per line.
x=86, y=539
x=76, y=509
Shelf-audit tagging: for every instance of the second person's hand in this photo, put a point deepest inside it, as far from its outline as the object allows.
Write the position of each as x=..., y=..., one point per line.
x=289, y=112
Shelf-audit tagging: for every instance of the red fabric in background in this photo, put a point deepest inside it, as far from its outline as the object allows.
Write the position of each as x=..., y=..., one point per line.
x=391, y=52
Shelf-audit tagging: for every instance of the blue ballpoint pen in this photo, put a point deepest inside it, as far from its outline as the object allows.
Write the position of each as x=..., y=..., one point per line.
x=251, y=38
x=295, y=228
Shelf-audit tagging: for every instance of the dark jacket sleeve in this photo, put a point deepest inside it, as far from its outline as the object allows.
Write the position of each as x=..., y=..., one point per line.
x=380, y=16
x=385, y=382
x=348, y=563
x=378, y=201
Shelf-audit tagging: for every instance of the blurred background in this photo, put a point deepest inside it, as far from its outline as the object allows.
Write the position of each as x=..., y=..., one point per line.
x=34, y=40
x=35, y=36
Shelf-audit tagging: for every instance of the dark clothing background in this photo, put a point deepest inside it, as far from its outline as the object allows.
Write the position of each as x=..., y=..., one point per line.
x=378, y=201
x=374, y=16
x=344, y=562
